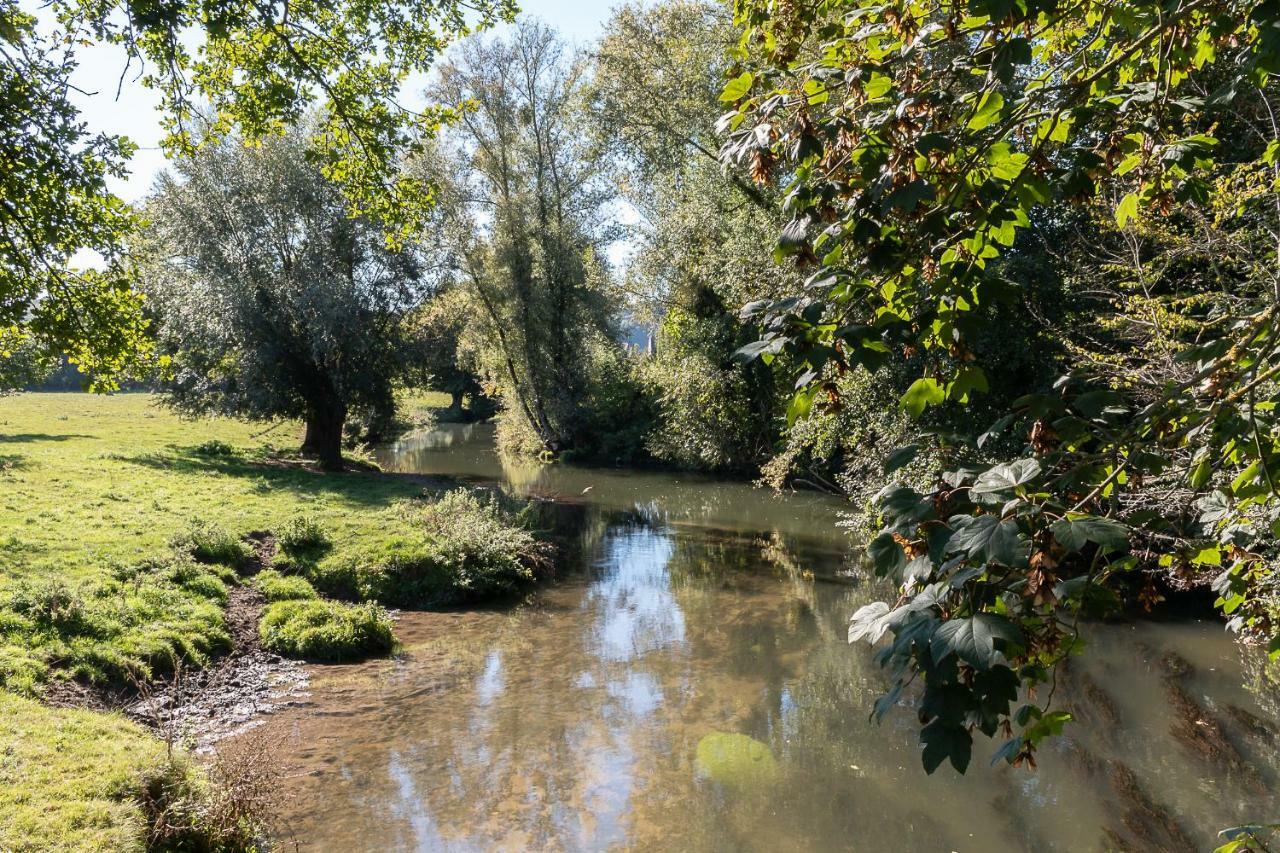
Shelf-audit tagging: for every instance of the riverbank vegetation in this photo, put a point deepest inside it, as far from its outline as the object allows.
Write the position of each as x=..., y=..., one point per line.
x=988, y=271
x=126, y=530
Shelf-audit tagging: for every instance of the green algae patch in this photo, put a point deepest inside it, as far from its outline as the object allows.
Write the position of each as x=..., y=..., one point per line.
x=735, y=760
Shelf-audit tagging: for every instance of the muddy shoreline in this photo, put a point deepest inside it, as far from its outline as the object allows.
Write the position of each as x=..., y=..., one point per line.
x=199, y=707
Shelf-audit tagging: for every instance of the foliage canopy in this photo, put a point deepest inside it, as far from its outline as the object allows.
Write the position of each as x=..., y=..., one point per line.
x=260, y=68
x=922, y=143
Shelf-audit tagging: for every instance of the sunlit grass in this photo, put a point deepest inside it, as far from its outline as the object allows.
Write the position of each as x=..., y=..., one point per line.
x=85, y=480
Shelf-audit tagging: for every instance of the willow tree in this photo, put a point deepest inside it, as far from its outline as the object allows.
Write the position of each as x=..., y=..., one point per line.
x=919, y=143
x=272, y=301
x=522, y=193
x=260, y=66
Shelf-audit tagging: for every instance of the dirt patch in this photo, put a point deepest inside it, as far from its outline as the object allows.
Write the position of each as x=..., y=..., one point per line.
x=230, y=695
x=203, y=706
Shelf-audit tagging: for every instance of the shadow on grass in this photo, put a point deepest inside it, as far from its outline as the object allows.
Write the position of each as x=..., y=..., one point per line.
x=28, y=437
x=371, y=488
x=12, y=462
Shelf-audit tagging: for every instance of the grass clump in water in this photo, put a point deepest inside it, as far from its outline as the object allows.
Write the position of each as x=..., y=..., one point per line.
x=275, y=586
x=326, y=630
x=460, y=548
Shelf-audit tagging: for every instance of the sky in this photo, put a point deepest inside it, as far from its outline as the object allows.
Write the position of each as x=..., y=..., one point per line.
x=133, y=112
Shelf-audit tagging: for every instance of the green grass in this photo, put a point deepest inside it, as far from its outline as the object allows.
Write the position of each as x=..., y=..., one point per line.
x=87, y=479
x=68, y=778
x=277, y=587
x=459, y=549
x=122, y=528
x=326, y=630
x=96, y=494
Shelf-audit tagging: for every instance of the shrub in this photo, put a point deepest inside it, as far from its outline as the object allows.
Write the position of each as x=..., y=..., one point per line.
x=714, y=414
x=51, y=604
x=326, y=630
x=227, y=805
x=302, y=535
x=211, y=543
x=277, y=587
x=460, y=548
x=215, y=448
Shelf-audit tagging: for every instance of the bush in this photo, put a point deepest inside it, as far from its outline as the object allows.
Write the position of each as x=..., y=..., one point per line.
x=714, y=413
x=277, y=587
x=215, y=448
x=227, y=805
x=461, y=548
x=621, y=412
x=211, y=543
x=326, y=630
x=302, y=535
x=51, y=604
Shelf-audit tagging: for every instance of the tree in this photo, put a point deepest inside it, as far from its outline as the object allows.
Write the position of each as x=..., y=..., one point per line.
x=920, y=141
x=522, y=193
x=435, y=359
x=260, y=66
x=704, y=237
x=272, y=301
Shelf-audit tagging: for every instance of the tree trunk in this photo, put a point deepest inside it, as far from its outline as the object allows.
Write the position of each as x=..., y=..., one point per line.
x=455, y=404
x=324, y=437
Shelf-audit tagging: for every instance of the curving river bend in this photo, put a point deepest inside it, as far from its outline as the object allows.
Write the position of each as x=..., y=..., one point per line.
x=687, y=686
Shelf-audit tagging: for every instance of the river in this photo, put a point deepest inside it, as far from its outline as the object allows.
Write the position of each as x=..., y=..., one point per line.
x=686, y=685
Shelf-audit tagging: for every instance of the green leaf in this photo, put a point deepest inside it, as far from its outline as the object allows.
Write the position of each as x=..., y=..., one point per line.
x=1008, y=751
x=969, y=378
x=908, y=196
x=869, y=623
x=944, y=742
x=988, y=111
x=737, y=87
x=1076, y=530
x=1127, y=210
x=1006, y=477
x=901, y=456
x=886, y=555
x=922, y=393
x=987, y=538
x=1200, y=474
x=974, y=639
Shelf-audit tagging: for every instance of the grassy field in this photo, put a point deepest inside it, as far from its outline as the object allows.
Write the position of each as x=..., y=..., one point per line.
x=85, y=480
x=106, y=507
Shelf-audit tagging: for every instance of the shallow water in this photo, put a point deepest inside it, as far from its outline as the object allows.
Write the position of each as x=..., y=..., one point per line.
x=689, y=687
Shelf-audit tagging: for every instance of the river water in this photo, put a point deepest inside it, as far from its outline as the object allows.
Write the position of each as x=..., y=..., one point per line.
x=686, y=685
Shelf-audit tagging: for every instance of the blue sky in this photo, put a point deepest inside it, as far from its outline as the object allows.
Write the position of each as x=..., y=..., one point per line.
x=133, y=113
